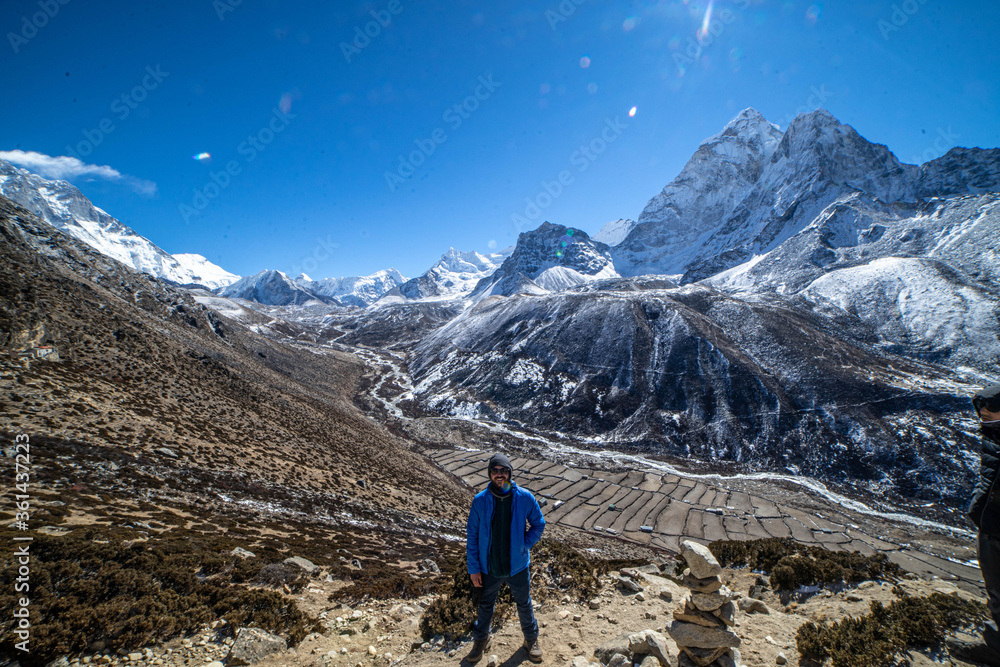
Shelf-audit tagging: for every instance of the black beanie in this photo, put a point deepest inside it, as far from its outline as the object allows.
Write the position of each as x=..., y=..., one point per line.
x=988, y=397
x=499, y=459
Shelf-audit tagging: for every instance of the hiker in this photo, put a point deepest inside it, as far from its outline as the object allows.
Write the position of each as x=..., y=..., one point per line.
x=504, y=523
x=985, y=513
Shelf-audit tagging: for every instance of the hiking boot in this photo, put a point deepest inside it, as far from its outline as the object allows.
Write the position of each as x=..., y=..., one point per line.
x=534, y=649
x=974, y=650
x=478, y=649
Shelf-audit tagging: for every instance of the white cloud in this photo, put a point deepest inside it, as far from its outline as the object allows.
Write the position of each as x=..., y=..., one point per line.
x=66, y=168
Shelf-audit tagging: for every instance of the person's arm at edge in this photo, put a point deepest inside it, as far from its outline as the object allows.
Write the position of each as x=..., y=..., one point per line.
x=536, y=524
x=472, y=547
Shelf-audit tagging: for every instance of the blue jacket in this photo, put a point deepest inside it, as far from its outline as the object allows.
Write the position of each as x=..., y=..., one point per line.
x=526, y=526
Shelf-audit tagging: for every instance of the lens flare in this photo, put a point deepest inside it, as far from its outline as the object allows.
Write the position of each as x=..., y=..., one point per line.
x=631, y=112
x=201, y=156
x=703, y=30
x=813, y=12
x=585, y=62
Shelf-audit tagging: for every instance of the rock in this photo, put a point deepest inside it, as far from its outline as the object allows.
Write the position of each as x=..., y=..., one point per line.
x=580, y=661
x=494, y=661
x=605, y=651
x=666, y=594
x=703, y=618
x=697, y=636
x=619, y=660
x=704, y=656
x=648, y=661
x=577, y=617
x=727, y=613
x=709, y=585
x=563, y=615
x=630, y=584
x=701, y=561
x=243, y=553
x=61, y=661
x=854, y=597
x=215, y=663
x=252, y=645
x=725, y=660
x=166, y=451
x=751, y=606
x=428, y=565
x=134, y=657
x=709, y=601
x=595, y=603
x=307, y=565
x=781, y=659
x=640, y=597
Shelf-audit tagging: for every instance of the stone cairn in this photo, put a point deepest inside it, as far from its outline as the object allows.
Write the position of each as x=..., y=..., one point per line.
x=702, y=629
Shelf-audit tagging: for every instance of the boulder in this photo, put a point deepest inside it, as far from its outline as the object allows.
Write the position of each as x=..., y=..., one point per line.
x=302, y=563
x=709, y=585
x=699, y=636
x=605, y=651
x=243, y=553
x=619, y=660
x=709, y=601
x=704, y=656
x=751, y=606
x=701, y=561
x=252, y=645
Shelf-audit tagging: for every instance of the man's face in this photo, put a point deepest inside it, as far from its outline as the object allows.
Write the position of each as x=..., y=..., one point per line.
x=987, y=415
x=499, y=475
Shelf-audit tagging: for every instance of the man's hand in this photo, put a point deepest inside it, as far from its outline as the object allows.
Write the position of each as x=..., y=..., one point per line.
x=477, y=579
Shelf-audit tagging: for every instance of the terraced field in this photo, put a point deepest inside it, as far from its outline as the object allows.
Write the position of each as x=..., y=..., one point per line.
x=661, y=510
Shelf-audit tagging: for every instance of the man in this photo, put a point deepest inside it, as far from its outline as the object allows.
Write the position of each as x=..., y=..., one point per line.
x=985, y=513
x=504, y=523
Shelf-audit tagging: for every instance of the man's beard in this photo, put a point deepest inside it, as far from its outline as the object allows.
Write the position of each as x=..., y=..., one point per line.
x=502, y=487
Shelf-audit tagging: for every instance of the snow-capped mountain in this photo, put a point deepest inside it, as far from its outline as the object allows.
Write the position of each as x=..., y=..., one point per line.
x=272, y=288
x=550, y=258
x=454, y=276
x=615, y=231
x=704, y=195
x=751, y=188
x=66, y=208
x=361, y=291
x=203, y=271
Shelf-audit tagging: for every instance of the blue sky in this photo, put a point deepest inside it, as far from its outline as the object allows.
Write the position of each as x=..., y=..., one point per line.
x=347, y=154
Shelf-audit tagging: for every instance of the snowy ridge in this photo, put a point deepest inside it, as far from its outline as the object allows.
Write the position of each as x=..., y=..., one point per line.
x=361, y=291
x=66, y=208
x=615, y=231
x=272, y=288
x=454, y=276
x=550, y=258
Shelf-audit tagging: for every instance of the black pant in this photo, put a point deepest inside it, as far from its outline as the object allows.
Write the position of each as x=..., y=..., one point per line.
x=989, y=563
x=520, y=588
